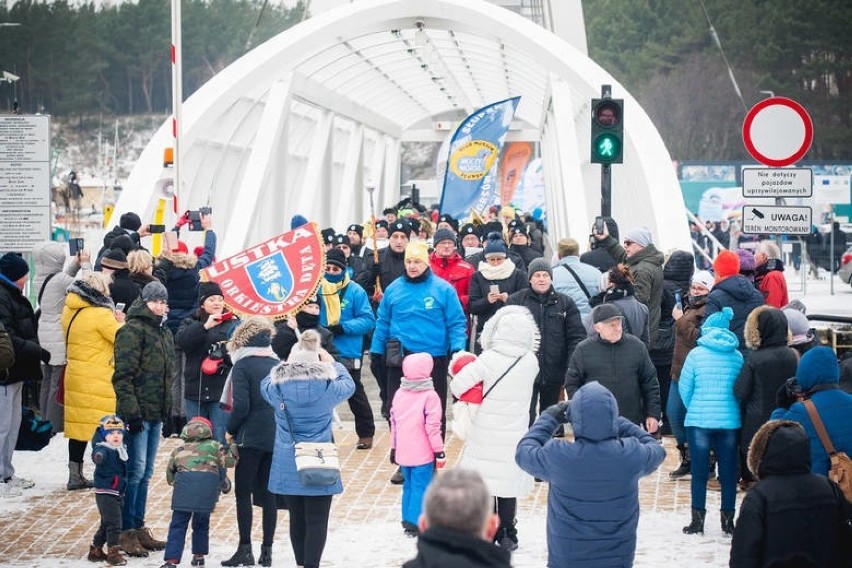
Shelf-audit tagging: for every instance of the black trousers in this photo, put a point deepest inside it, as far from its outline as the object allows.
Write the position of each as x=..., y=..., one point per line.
x=439, y=380
x=109, y=506
x=506, y=507
x=544, y=396
x=365, y=424
x=76, y=450
x=380, y=372
x=251, y=477
x=308, y=527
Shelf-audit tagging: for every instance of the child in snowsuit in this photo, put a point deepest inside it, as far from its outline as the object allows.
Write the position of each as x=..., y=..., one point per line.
x=416, y=443
x=196, y=470
x=110, y=456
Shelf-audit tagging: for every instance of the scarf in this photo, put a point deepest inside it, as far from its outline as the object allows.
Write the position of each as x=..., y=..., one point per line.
x=418, y=279
x=226, y=401
x=418, y=385
x=501, y=272
x=122, y=449
x=331, y=292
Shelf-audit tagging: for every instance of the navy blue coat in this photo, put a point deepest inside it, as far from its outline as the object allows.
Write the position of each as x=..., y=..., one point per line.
x=252, y=420
x=110, y=470
x=593, y=504
x=737, y=293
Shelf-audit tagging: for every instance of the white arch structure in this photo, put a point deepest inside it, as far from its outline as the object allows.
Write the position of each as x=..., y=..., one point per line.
x=301, y=123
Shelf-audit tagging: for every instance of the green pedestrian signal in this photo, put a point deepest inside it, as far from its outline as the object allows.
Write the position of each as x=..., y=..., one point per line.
x=607, y=131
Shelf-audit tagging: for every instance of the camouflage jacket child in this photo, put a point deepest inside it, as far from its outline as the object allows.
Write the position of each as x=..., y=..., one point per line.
x=197, y=468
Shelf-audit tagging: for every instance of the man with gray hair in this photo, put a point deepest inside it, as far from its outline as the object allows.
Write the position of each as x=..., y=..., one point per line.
x=457, y=524
x=769, y=274
x=574, y=278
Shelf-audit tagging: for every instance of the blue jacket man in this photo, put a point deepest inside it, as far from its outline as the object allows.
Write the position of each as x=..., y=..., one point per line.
x=424, y=313
x=818, y=377
x=345, y=311
x=593, y=505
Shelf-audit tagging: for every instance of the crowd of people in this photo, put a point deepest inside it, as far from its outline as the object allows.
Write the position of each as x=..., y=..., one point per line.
x=570, y=367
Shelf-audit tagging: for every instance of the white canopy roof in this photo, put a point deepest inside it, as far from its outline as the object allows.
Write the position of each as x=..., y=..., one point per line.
x=303, y=122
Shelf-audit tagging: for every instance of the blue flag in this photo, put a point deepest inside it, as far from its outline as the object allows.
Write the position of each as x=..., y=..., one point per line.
x=471, y=179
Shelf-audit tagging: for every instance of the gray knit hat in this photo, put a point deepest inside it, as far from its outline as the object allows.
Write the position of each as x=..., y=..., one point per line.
x=539, y=265
x=154, y=292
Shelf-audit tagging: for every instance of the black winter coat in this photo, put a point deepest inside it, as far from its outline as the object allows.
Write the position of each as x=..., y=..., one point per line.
x=123, y=290
x=791, y=512
x=285, y=339
x=18, y=317
x=393, y=266
x=252, y=419
x=444, y=548
x=478, y=294
x=560, y=329
x=110, y=237
x=196, y=342
x=623, y=367
x=677, y=276
x=527, y=253
x=599, y=258
x=764, y=370
x=737, y=293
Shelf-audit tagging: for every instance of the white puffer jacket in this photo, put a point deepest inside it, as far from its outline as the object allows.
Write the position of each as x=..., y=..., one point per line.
x=51, y=257
x=503, y=417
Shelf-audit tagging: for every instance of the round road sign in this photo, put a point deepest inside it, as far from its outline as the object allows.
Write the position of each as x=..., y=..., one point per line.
x=777, y=131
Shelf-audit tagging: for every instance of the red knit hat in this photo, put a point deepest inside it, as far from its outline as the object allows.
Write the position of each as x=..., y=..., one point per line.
x=726, y=264
x=181, y=247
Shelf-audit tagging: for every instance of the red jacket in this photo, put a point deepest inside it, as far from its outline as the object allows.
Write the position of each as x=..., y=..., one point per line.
x=455, y=271
x=773, y=285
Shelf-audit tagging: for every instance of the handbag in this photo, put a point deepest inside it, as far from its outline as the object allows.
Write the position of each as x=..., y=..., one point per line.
x=393, y=353
x=35, y=432
x=466, y=407
x=317, y=463
x=215, y=363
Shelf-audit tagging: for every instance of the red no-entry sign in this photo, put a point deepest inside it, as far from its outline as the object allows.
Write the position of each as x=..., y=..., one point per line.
x=778, y=131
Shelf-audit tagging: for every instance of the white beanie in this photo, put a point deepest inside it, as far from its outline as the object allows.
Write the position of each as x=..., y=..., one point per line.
x=306, y=350
x=703, y=277
x=640, y=235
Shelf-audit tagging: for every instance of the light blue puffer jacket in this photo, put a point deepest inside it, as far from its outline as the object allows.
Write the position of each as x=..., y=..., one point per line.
x=707, y=381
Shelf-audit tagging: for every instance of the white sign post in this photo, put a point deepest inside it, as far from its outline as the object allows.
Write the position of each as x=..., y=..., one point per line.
x=24, y=181
x=775, y=220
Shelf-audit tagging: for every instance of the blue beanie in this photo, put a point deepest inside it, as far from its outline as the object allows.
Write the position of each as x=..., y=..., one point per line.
x=719, y=319
x=297, y=221
x=817, y=366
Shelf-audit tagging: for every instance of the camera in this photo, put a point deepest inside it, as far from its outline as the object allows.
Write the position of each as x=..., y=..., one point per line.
x=599, y=225
x=154, y=229
x=75, y=246
x=195, y=218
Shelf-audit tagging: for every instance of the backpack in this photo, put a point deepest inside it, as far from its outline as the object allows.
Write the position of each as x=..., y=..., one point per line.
x=840, y=470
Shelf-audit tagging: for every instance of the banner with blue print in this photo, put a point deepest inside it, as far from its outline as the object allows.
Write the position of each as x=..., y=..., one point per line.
x=470, y=179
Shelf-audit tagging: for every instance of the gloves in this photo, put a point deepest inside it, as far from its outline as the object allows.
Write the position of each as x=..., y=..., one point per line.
x=393, y=457
x=134, y=425
x=225, y=488
x=377, y=269
x=336, y=329
x=44, y=356
x=440, y=460
x=559, y=411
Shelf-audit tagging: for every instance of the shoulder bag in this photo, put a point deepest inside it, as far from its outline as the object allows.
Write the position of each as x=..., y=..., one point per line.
x=317, y=463
x=840, y=470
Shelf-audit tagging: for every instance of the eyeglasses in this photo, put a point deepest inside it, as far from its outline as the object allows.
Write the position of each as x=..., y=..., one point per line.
x=628, y=243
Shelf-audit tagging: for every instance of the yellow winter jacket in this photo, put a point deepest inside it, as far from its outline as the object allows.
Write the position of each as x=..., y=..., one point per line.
x=89, y=395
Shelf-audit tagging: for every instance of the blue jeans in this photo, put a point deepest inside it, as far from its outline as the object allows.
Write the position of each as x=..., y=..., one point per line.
x=212, y=411
x=177, y=534
x=725, y=443
x=141, y=454
x=676, y=414
x=417, y=479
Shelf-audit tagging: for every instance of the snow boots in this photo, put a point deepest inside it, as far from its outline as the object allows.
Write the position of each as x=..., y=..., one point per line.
x=114, y=556
x=129, y=543
x=242, y=557
x=75, y=477
x=147, y=539
x=684, y=468
x=96, y=553
x=265, y=555
x=507, y=537
x=697, y=524
x=727, y=522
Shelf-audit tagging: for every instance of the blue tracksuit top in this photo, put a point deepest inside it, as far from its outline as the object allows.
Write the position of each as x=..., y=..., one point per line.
x=356, y=317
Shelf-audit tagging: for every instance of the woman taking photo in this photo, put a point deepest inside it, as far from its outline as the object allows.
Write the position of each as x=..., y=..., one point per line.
x=250, y=426
x=303, y=393
x=202, y=338
x=89, y=322
x=495, y=279
x=618, y=288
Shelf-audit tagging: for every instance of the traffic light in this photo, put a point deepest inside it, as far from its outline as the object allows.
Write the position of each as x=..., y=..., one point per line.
x=607, y=131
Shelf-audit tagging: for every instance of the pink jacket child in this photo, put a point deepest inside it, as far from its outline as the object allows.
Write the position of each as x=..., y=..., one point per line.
x=416, y=443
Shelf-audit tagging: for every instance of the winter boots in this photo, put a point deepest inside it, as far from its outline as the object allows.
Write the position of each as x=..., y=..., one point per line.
x=242, y=557
x=75, y=477
x=684, y=468
x=727, y=522
x=265, y=555
x=147, y=540
x=410, y=529
x=397, y=477
x=507, y=537
x=697, y=524
x=114, y=556
x=197, y=560
x=129, y=543
x=365, y=443
x=96, y=553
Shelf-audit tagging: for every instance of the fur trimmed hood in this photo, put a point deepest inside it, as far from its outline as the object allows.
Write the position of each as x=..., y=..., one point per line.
x=301, y=371
x=780, y=447
x=511, y=330
x=766, y=327
x=90, y=295
x=249, y=330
